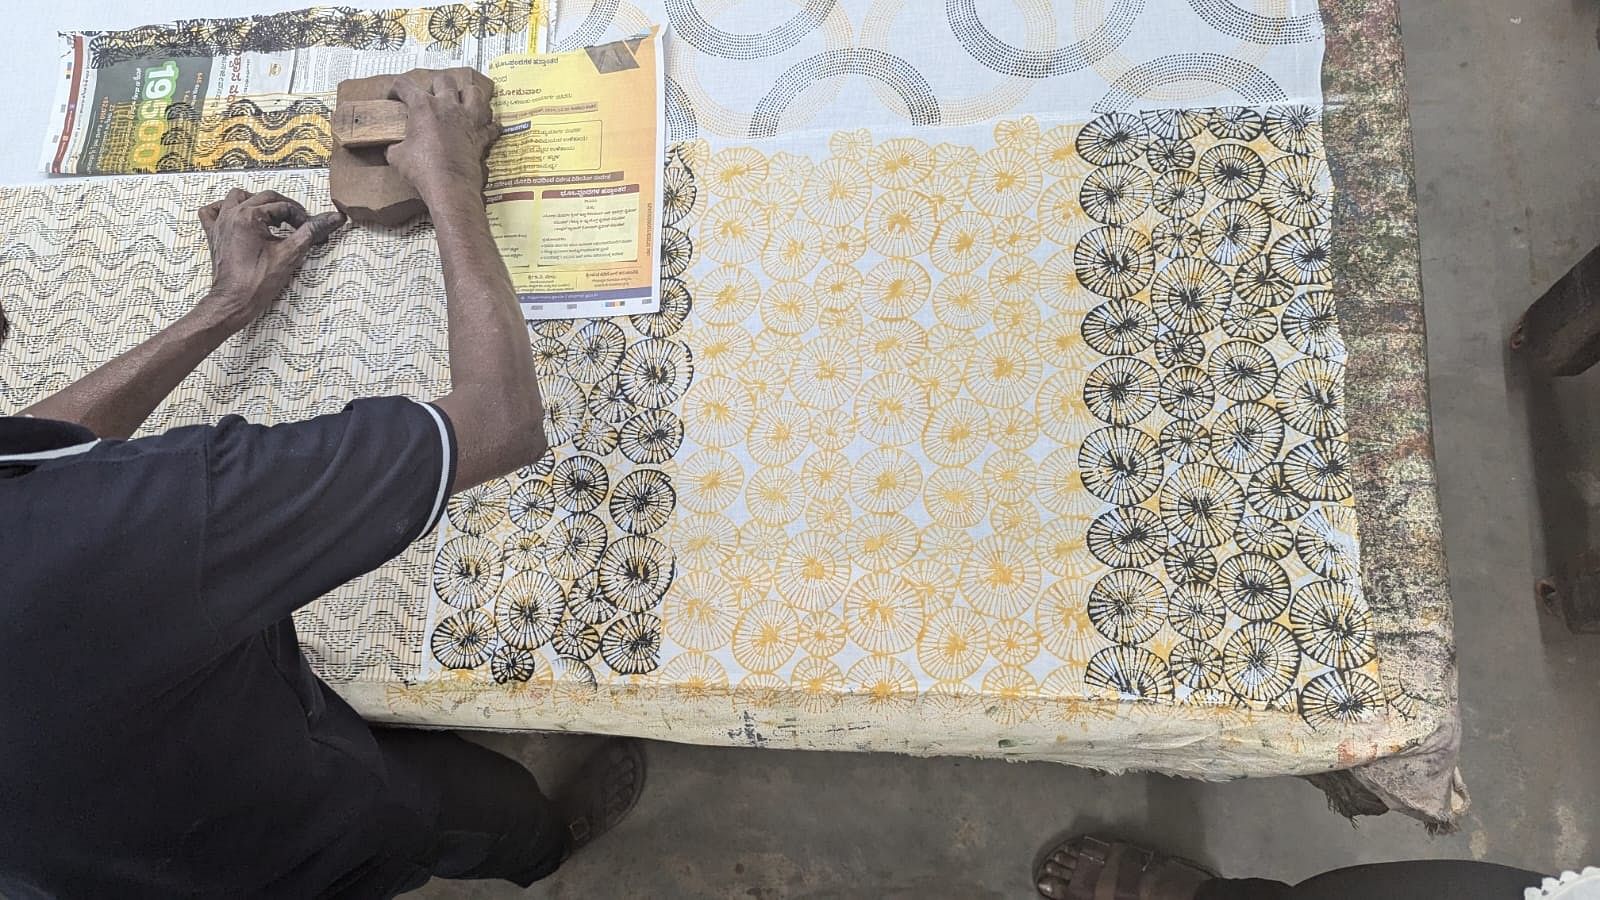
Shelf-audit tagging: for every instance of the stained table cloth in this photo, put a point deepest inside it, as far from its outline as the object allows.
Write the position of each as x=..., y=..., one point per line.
x=1003, y=402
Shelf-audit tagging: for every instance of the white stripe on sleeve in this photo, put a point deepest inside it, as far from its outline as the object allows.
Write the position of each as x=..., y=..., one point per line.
x=42, y=455
x=444, y=467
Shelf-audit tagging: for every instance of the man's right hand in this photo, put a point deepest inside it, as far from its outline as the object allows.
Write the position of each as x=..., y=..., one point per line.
x=449, y=129
x=494, y=403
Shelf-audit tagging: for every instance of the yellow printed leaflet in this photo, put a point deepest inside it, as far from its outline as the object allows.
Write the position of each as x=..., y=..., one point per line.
x=575, y=180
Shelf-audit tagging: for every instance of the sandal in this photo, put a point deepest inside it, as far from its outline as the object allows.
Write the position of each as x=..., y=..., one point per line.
x=604, y=791
x=1088, y=868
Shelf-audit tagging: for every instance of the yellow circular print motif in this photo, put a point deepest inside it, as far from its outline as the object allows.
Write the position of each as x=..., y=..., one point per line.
x=826, y=373
x=900, y=223
x=819, y=682
x=792, y=250
x=886, y=682
x=837, y=193
x=764, y=637
x=710, y=481
x=900, y=163
x=891, y=409
x=1004, y=370
x=954, y=644
x=963, y=301
x=896, y=289
x=881, y=614
x=733, y=231
x=962, y=243
x=774, y=496
x=886, y=480
x=700, y=611
x=813, y=571
x=1005, y=182
x=718, y=409
x=955, y=496
x=881, y=541
x=821, y=633
x=778, y=433
x=727, y=296
x=1000, y=577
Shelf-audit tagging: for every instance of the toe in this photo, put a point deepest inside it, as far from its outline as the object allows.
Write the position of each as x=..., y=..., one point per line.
x=1052, y=887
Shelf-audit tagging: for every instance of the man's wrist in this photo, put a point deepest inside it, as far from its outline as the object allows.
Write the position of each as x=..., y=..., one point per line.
x=215, y=318
x=460, y=214
x=448, y=192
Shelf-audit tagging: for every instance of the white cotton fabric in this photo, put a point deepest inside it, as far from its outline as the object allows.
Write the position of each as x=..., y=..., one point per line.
x=827, y=64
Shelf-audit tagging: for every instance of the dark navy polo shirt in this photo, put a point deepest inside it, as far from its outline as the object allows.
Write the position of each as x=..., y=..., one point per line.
x=160, y=732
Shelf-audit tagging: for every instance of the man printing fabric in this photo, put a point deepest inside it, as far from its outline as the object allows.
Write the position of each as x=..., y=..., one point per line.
x=160, y=732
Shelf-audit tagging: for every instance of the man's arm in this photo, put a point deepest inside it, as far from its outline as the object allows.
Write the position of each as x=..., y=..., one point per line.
x=115, y=399
x=494, y=402
x=251, y=266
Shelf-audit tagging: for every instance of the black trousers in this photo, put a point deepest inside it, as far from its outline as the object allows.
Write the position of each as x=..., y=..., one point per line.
x=1440, y=879
x=480, y=814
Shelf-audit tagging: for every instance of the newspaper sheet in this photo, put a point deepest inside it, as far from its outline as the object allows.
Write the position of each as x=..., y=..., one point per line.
x=575, y=180
x=252, y=92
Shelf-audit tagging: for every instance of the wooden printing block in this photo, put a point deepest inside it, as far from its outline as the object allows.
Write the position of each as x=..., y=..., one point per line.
x=365, y=122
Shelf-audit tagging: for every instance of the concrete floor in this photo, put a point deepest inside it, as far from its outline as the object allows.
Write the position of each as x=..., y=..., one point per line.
x=1505, y=100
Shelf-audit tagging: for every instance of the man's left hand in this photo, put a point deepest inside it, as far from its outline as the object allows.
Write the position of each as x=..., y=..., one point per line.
x=254, y=252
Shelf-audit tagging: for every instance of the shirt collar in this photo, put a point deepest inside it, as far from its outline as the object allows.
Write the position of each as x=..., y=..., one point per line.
x=28, y=441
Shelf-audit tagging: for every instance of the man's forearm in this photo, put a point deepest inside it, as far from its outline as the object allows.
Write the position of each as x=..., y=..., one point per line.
x=115, y=399
x=494, y=398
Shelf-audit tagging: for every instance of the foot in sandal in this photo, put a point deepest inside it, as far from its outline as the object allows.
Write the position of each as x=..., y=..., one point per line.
x=1088, y=868
x=605, y=790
